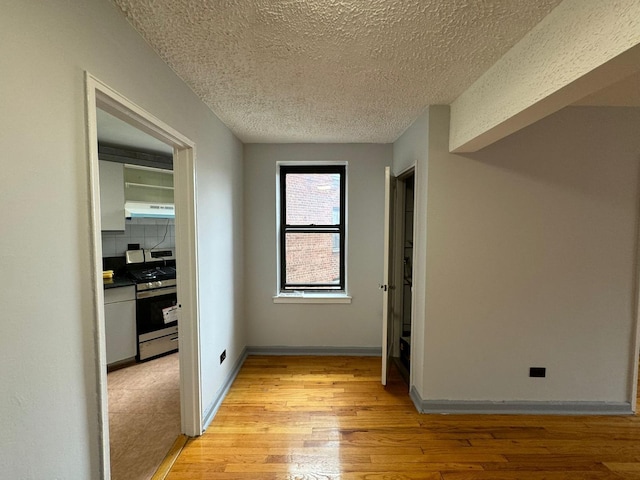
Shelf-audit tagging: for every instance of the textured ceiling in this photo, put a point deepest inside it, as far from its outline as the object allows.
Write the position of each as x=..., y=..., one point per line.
x=329, y=70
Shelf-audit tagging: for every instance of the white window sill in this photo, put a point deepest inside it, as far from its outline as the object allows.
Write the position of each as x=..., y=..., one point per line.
x=302, y=297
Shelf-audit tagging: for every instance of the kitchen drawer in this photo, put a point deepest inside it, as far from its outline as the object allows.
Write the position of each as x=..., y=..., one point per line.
x=160, y=345
x=119, y=294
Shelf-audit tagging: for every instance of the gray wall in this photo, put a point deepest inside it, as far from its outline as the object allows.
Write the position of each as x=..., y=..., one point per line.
x=354, y=325
x=531, y=260
x=49, y=407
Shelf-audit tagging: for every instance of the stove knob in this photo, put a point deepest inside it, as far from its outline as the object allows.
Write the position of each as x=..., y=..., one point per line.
x=149, y=285
x=157, y=284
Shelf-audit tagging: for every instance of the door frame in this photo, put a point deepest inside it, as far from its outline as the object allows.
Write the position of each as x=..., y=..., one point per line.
x=388, y=256
x=99, y=95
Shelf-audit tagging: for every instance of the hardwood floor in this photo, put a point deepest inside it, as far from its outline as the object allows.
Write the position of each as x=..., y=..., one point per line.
x=329, y=418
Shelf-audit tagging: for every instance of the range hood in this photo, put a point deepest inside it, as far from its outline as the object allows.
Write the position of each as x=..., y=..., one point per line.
x=149, y=210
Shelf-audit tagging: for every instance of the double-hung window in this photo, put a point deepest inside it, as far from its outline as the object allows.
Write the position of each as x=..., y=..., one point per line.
x=312, y=228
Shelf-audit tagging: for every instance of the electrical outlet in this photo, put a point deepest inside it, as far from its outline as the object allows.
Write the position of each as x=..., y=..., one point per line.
x=537, y=372
x=223, y=355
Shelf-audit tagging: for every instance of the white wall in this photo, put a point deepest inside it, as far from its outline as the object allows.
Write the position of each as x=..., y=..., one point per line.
x=354, y=325
x=48, y=406
x=531, y=260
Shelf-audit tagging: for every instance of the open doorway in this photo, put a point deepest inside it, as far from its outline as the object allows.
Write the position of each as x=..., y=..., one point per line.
x=403, y=272
x=101, y=97
x=139, y=274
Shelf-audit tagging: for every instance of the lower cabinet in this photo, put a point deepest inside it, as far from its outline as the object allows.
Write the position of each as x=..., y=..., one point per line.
x=120, y=323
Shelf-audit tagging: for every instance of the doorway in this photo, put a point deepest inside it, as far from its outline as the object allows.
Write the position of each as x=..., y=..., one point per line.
x=403, y=273
x=100, y=96
x=143, y=378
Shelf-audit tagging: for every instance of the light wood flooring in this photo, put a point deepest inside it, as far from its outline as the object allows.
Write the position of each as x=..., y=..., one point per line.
x=144, y=416
x=329, y=418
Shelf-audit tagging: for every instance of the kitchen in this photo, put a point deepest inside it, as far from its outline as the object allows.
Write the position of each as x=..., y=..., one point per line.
x=139, y=275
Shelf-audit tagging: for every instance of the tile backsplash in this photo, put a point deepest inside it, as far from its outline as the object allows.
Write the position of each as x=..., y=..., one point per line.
x=148, y=232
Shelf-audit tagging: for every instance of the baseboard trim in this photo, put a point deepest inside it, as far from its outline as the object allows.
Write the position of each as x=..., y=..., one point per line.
x=518, y=407
x=212, y=409
x=320, y=351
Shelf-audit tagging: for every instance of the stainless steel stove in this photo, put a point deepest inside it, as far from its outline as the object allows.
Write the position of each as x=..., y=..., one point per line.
x=154, y=273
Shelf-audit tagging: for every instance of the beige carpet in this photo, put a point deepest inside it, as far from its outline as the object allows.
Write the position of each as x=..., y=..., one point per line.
x=144, y=416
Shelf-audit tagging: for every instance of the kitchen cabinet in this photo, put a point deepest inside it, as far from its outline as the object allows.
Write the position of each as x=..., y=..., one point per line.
x=120, y=323
x=148, y=184
x=111, y=195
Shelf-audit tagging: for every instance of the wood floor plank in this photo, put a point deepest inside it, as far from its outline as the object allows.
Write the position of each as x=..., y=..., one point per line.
x=461, y=457
x=623, y=466
x=533, y=475
x=329, y=418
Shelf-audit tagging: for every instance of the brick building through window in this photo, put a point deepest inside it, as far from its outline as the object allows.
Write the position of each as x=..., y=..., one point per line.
x=312, y=220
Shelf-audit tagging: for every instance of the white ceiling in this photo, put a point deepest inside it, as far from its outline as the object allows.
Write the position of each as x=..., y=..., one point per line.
x=113, y=131
x=329, y=70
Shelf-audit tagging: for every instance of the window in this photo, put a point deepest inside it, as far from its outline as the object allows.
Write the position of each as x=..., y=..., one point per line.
x=312, y=228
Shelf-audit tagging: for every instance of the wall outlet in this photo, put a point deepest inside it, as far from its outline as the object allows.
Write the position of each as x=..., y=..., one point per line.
x=537, y=372
x=223, y=355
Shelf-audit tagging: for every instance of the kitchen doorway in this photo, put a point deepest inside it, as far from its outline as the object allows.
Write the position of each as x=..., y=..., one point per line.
x=100, y=96
x=138, y=247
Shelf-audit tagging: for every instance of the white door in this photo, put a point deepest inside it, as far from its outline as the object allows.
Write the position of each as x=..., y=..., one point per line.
x=387, y=286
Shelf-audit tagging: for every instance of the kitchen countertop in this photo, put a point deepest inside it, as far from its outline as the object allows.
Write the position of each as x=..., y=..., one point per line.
x=117, y=282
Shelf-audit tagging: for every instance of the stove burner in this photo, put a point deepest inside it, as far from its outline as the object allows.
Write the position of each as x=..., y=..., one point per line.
x=158, y=273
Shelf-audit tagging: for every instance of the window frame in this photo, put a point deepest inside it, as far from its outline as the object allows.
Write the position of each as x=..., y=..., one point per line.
x=284, y=169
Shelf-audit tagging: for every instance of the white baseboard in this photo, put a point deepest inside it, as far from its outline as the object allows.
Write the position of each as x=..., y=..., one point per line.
x=518, y=407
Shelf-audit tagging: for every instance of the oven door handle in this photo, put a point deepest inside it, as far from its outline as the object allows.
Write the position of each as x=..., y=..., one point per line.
x=156, y=293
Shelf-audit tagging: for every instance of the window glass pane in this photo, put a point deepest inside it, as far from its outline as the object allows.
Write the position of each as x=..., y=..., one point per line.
x=312, y=258
x=313, y=198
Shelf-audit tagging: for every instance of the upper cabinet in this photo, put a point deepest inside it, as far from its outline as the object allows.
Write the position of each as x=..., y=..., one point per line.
x=146, y=184
x=121, y=183
x=111, y=195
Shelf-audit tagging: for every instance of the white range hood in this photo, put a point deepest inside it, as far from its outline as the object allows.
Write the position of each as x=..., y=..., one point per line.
x=149, y=210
